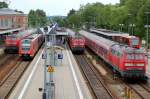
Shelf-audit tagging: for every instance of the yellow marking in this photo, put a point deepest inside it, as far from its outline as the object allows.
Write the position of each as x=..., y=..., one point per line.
x=50, y=69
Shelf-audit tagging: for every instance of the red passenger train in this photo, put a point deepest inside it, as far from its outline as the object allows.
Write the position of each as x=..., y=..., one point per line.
x=12, y=41
x=76, y=42
x=123, y=38
x=128, y=61
x=30, y=45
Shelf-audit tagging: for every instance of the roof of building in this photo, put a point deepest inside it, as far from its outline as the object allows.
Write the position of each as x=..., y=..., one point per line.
x=10, y=30
x=7, y=11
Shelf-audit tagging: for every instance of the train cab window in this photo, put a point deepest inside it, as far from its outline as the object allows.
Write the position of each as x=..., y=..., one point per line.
x=135, y=56
x=134, y=41
x=113, y=52
x=25, y=48
x=130, y=56
x=119, y=54
x=139, y=57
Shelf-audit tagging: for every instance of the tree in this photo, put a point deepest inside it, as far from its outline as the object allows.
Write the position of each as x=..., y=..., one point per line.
x=41, y=19
x=72, y=12
x=122, y=2
x=32, y=18
x=60, y=20
x=37, y=18
x=3, y=5
x=142, y=19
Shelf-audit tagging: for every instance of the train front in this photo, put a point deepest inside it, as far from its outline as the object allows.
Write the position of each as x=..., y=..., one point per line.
x=25, y=48
x=135, y=63
x=11, y=43
x=77, y=44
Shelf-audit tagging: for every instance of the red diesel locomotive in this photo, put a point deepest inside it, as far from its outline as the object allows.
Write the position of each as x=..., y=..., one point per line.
x=12, y=41
x=76, y=42
x=128, y=61
x=30, y=45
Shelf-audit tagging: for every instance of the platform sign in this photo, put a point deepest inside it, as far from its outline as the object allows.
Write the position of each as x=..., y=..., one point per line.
x=60, y=56
x=44, y=56
x=50, y=69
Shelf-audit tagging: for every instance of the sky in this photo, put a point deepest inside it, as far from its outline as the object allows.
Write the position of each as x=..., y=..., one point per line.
x=53, y=7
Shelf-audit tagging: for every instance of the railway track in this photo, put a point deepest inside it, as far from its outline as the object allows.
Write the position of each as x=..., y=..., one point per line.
x=141, y=90
x=12, y=71
x=96, y=82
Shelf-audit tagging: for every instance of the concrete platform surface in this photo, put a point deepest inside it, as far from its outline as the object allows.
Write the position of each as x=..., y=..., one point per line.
x=69, y=83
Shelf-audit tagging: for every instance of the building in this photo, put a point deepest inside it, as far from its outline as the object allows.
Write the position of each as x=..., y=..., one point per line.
x=12, y=19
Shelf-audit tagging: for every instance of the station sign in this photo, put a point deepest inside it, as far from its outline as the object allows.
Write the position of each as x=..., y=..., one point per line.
x=44, y=56
x=50, y=69
x=60, y=56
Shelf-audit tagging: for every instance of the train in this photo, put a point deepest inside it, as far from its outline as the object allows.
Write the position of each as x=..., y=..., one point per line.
x=30, y=45
x=12, y=41
x=127, y=61
x=123, y=38
x=76, y=42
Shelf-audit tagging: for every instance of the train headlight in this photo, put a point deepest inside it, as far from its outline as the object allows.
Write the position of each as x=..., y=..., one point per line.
x=128, y=64
x=140, y=64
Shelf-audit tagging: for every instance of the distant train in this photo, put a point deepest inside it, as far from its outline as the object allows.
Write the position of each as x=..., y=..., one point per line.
x=12, y=41
x=30, y=45
x=123, y=38
x=129, y=62
x=76, y=42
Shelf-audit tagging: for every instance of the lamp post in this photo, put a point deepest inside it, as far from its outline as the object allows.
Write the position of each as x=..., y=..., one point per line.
x=147, y=26
x=129, y=22
x=132, y=27
x=45, y=67
x=121, y=25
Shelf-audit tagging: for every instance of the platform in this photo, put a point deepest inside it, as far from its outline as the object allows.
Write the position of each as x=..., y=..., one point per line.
x=69, y=83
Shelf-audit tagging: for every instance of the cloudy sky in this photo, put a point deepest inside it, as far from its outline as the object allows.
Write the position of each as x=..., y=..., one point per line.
x=53, y=7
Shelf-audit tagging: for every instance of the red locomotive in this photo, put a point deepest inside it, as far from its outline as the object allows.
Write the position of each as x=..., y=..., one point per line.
x=128, y=61
x=30, y=45
x=76, y=42
x=12, y=41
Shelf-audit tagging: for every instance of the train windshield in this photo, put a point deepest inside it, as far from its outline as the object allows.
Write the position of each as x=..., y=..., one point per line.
x=26, y=48
x=26, y=42
x=130, y=56
x=134, y=41
x=12, y=37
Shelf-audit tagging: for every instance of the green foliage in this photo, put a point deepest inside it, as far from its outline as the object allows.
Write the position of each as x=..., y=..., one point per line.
x=37, y=18
x=3, y=5
x=61, y=21
x=110, y=16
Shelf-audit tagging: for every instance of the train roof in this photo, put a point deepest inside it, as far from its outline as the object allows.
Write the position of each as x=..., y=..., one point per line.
x=71, y=33
x=97, y=39
x=109, y=33
x=32, y=36
x=22, y=33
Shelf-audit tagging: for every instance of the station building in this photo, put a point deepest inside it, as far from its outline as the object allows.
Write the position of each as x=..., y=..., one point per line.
x=11, y=21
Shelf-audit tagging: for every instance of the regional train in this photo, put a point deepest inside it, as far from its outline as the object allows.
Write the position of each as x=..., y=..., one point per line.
x=76, y=42
x=13, y=40
x=30, y=45
x=129, y=62
x=123, y=38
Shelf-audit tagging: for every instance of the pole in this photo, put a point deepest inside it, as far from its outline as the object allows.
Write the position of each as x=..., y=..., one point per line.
x=45, y=67
x=132, y=28
x=147, y=30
